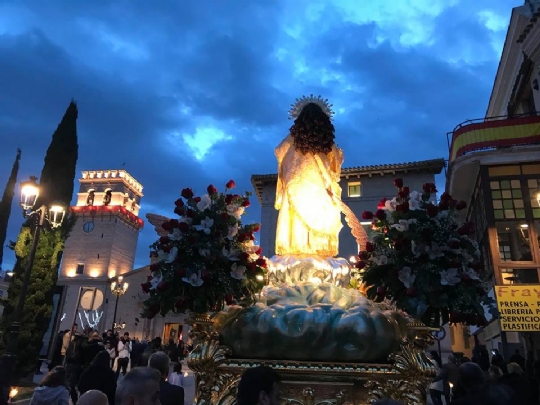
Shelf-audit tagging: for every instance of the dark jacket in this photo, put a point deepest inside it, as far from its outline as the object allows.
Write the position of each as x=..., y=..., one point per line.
x=99, y=378
x=170, y=394
x=89, y=350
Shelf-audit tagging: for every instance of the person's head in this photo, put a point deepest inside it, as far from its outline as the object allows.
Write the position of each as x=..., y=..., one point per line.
x=452, y=359
x=94, y=335
x=74, y=329
x=313, y=131
x=55, y=377
x=258, y=386
x=514, y=368
x=497, y=394
x=470, y=376
x=494, y=372
x=435, y=357
x=126, y=335
x=109, y=333
x=93, y=397
x=102, y=360
x=177, y=368
x=140, y=386
x=161, y=362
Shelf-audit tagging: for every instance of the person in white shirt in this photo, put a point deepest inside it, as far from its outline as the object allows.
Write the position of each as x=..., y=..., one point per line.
x=177, y=377
x=124, y=350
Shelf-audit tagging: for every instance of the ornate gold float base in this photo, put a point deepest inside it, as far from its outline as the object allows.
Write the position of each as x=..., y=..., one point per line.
x=315, y=383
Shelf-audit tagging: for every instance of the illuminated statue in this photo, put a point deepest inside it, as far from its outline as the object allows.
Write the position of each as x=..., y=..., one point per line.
x=308, y=194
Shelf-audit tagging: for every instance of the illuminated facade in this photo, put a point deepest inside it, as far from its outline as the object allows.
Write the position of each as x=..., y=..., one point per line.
x=494, y=164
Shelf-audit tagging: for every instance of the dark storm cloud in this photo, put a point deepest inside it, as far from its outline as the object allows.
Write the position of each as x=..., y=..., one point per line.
x=147, y=75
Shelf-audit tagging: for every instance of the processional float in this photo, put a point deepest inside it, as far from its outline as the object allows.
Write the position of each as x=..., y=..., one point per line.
x=337, y=333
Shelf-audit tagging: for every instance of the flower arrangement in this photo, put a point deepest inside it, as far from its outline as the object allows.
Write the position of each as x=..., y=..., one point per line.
x=209, y=258
x=423, y=259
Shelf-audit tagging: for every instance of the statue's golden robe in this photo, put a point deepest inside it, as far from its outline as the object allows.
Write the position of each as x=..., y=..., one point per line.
x=308, y=198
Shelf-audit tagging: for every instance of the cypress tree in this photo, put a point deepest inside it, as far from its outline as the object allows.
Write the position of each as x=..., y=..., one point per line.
x=56, y=184
x=5, y=204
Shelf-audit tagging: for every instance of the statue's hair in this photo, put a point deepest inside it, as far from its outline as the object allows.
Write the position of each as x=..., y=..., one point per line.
x=134, y=383
x=313, y=131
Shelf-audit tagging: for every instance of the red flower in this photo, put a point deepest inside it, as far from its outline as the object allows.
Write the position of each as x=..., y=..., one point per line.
x=146, y=287
x=380, y=214
x=360, y=264
x=260, y=262
x=163, y=285
x=179, y=202
x=398, y=183
x=197, y=199
x=183, y=227
x=246, y=203
x=369, y=247
x=363, y=255
x=461, y=205
x=179, y=210
x=381, y=290
x=429, y=188
x=167, y=225
x=382, y=204
x=367, y=215
x=244, y=256
x=205, y=276
x=252, y=266
x=403, y=208
x=411, y=292
x=190, y=213
x=432, y=210
x=453, y=244
x=242, y=237
x=187, y=193
x=179, y=272
x=256, y=228
x=154, y=267
x=211, y=190
x=466, y=229
x=404, y=192
x=164, y=239
x=166, y=248
x=258, y=251
x=181, y=302
x=229, y=199
x=230, y=184
x=229, y=299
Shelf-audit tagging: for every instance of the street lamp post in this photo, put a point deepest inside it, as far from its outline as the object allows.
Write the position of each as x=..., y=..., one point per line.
x=118, y=288
x=54, y=215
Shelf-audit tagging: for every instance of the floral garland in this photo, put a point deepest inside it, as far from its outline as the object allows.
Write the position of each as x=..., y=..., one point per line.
x=424, y=260
x=209, y=259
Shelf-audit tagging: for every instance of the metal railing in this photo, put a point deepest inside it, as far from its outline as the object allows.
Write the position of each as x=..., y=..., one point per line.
x=493, y=133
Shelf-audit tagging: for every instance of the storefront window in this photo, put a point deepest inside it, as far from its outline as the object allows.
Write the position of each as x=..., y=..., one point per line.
x=519, y=276
x=514, y=241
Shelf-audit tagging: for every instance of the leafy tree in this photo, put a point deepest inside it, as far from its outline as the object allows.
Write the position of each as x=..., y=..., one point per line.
x=5, y=203
x=56, y=184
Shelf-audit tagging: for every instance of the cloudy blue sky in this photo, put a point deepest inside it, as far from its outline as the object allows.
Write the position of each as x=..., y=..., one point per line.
x=191, y=92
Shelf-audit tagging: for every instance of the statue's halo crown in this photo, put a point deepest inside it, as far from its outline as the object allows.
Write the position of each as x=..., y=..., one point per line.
x=300, y=103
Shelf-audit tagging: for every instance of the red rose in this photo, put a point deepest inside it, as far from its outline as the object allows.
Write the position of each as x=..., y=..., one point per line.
x=180, y=273
x=360, y=264
x=224, y=216
x=256, y=228
x=179, y=202
x=187, y=193
x=258, y=251
x=381, y=204
x=146, y=287
x=197, y=199
x=251, y=236
x=205, y=276
x=242, y=237
x=432, y=210
x=190, y=213
x=403, y=208
x=211, y=189
x=154, y=267
x=404, y=192
x=461, y=205
x=466, y=229
x=230, y=184
x=166, y=248
x=380, y=214
x=411, y=292
x=260, y=262
x=229, y=199
x=181, y=302
x=252, y=266
x=229, y=299
x=246, y=203
x=367, y=215
x=183, y=227
x=363, y=255
x=381, y=290
x=167, y=225
x=179, y=210
x=163, y=285
x=453, y=244
x=369, y=247
x=398, y=183
x=244, y=256
x=164, y=239
x=429, y=188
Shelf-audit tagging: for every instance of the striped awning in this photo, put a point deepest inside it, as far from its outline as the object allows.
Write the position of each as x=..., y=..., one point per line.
x=494, y=134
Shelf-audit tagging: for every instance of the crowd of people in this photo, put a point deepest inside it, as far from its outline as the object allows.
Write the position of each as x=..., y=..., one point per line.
x=471, y=381
x=88, y=361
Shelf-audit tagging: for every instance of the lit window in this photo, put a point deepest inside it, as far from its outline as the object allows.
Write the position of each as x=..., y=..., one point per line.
x=354, y=189
x=80, y=268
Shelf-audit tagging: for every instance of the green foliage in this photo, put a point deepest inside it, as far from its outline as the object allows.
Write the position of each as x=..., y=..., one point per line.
x=5, y=204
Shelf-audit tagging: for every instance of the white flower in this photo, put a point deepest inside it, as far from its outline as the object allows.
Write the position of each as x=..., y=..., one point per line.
x=155, y=281
x=235, y=210
x=204, y=252
x=194, y=280
x=406, y=276
x=205, y=202
x=449, y=277
x=168, y=257
x=233, y=254
x=436, y=251
x=390, y=205
x=473, y=275
x=417, y=249
x=403, y=224
x=233, y=231
x=380, y=260
x=238, y=272
x=176, y=234
x=205, y=226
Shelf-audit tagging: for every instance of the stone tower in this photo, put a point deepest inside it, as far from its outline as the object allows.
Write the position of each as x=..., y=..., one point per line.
x=103, y=242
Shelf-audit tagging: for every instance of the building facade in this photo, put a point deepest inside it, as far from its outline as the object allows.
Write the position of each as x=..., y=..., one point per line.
x=494, y=164
x=362, y=189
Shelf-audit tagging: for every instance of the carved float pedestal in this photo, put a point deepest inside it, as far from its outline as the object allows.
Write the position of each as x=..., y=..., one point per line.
x=405, y=379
